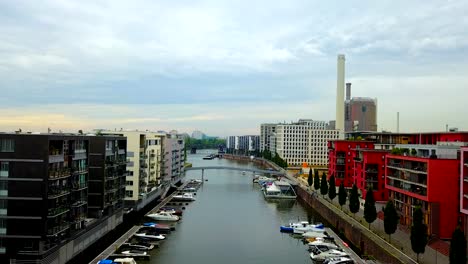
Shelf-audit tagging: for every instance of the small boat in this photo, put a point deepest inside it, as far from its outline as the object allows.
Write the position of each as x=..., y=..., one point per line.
x=311, y=234
x=158, y=227
x=172, y=211
x=262, y=180
x=164, y=216
x=289, y=228
x=139, y=246
x=150, y=236
x=196, y=181
x=184, y=197
x=124, y=261
x=190, y=189
x=278, y=190
x=134, y=252
x=244, y=172
x=321, y=245
x=322, y=256
x=339, y=260
x=304, y=228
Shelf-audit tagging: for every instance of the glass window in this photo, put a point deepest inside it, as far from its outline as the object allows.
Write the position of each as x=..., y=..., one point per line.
x=4, y=169
x=7, y=145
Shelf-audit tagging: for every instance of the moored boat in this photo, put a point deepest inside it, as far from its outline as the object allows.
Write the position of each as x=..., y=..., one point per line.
x=124, y=261
x=289, y=228
x=151, y=236
x=278, y=190
x=163, y=216
x=184, y=197
x=304, y=228
x=139, y=246
x=320, y=256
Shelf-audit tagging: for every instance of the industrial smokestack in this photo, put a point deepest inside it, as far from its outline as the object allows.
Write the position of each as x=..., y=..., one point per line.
x=340, y=93
x=348, y=91
x=398, y=122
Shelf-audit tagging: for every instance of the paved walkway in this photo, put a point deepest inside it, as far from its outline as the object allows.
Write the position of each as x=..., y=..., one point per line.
x=401, y=238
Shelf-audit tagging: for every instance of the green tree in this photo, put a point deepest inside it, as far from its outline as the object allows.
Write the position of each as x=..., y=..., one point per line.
x=390, y=219
x=458, y=247
x=418, y=233
x=316, y=180
x=342, y=195
x=332, y=188
x=354, y=200
x=310, y=180
x=370, y=212
x=324, y=185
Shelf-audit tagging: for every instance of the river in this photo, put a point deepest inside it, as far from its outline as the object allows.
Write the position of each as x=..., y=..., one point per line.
x=231, y=222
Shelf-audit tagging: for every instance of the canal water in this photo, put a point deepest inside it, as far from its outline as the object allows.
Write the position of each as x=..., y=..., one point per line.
x=231, y=222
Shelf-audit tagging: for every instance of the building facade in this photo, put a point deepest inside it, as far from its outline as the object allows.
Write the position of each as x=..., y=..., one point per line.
x=341, y=155
x=303, y=141
x=174, y=158
x=243, y=145
x=428, y=182
x=44, y=198
x=361, y=114
x=369, y=171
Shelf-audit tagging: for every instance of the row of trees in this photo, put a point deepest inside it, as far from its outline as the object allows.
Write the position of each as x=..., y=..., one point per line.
x=206, y=143
x=419, y=237
x=266, y=154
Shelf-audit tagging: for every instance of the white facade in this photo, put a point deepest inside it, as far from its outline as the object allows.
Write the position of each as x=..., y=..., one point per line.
x=304, y=141
x=198, y=135
x=267, y=137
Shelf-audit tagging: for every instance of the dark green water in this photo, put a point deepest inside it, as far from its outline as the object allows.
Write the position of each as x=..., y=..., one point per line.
x=231, y=222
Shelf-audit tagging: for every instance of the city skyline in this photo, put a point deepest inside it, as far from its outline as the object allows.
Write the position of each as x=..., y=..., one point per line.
x=225, y=68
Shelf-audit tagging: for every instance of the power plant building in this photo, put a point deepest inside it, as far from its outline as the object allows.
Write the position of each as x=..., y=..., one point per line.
x=360, y=112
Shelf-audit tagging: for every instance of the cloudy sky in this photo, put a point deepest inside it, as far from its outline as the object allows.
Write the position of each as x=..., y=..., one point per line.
x=224, y=67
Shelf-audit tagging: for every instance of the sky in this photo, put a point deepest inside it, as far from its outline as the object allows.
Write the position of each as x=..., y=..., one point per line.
x=225, y=67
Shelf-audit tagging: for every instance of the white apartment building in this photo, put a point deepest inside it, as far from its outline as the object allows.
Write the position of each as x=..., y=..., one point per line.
x=144, y=166
x=304, y=141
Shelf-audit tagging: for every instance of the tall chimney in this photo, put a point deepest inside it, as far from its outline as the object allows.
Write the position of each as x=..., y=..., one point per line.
x=348, y=91
x=340, y=93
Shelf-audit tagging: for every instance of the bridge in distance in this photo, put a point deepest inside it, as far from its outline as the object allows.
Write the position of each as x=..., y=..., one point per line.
x=203, y=168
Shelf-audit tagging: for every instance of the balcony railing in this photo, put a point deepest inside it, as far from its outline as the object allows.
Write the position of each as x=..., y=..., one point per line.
x=56, y=158
x=59, y=173
x=80, y=155
x=78, y=170
x=57, y=229
x=78, y=186
x=121, y=151
x=54, y=212
x=56, y=192
x=79, y=203
x=408, y=186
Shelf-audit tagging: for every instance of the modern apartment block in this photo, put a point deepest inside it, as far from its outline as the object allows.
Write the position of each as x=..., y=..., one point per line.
x=243, y=145
x=432, y=183
x=464, y=188
x=369, y=171
x=144, y=167
x=174, y=158
x=267, y=137
x=107, y=172
x=44, y=196
x=341, y=154
x=303, y=141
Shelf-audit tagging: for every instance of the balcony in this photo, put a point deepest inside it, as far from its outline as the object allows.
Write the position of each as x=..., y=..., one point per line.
x=56, y=192
x=78, y=186
x=59, y=174
x=54, y=212
x=143, y=165
x=79, y=170
x=372, y=179
x=54, y=231
x=80, y=155
x=415, y=188
x=412, y=166
x=110, y=152
x=121, y=151
x=79, y=203
x=56, y=158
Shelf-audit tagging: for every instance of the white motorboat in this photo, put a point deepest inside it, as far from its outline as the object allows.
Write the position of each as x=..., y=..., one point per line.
x=244, y=172
x=184, y=197
x=279, y=191
x=311, y=234
x=289, y=228
x=339, y=260
x=263, y=180
x=125, y=261
x=134, y=252
x=138, y=246
x=322, y=256
x=196, y=181
x=163, y=216
x=150, y=236
x=321, y=246
x=304, y=228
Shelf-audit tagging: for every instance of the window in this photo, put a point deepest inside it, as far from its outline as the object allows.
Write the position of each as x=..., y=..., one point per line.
x=4, y=169
x=3, y=188
x=3, y=207
x=3, y=226
x=128, y=193
x=7, y=145
x=129, y=183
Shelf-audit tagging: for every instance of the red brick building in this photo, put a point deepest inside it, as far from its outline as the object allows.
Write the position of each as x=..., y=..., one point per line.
x=369, y=170
x=430, y=182
x=340, y=159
